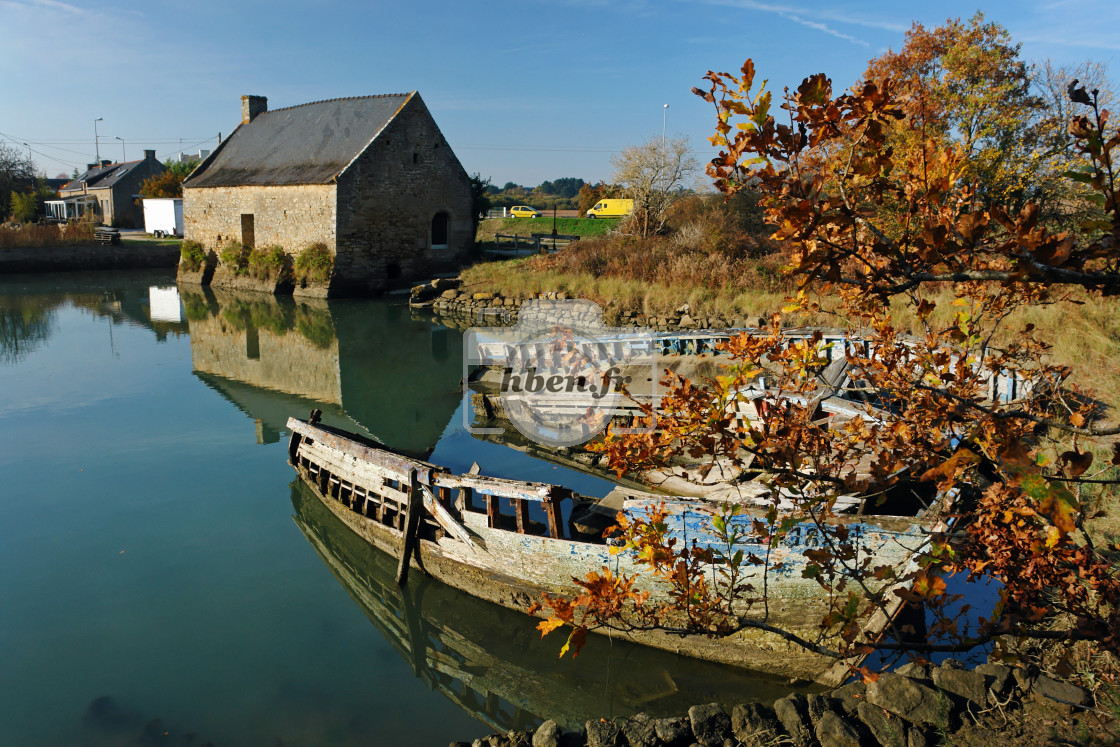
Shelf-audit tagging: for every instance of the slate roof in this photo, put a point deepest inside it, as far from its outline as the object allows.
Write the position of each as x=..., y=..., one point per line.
x=101, y=177
x=305, y=144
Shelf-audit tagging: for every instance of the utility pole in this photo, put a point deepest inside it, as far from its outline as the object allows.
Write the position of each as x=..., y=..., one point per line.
x=664, y=119
x=97, y=141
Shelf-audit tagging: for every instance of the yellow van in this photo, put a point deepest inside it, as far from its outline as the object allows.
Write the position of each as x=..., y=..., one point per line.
x=611, y=209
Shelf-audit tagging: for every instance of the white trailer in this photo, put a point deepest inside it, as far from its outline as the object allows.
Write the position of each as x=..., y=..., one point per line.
x=163, y=216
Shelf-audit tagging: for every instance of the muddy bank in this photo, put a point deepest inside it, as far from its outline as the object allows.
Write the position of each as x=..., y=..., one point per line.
x=91, y=256
x=916, y=706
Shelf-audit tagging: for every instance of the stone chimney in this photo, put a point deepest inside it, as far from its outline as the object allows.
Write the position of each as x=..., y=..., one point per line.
x=149, y=155
x=106, y=161
x=91, y=166
x=251, y=106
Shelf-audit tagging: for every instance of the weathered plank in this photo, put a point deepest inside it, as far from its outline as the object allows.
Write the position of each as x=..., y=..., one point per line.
x=447, y=521
x=411, y=524
x=521, y=512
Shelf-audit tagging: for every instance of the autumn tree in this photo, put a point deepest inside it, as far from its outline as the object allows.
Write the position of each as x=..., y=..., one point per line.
x=162, y=185
x=933, y=296
x=589, y=196
x=169, y=182
x=655, y=175
x=963, y=84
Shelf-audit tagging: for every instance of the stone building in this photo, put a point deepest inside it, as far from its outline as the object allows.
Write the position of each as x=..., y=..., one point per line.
x=110, y=189
x=371, y=177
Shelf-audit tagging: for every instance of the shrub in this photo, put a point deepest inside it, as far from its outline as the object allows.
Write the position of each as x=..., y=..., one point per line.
x=235, y=256
x=192, y=257
x=25, y=206
x=314, y=264
x=269, y=263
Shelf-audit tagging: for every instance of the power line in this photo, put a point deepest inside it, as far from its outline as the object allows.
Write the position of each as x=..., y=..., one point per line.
x=160, y=140
x=39, y=153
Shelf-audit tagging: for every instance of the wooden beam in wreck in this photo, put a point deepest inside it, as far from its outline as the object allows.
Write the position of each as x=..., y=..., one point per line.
x=521, y=511
x=552, y=512
x=413, y=511
x=494, y=518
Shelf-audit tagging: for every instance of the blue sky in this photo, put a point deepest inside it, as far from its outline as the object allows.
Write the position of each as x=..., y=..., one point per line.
x=524, y=91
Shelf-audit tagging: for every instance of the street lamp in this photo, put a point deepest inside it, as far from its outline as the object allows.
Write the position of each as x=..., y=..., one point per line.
x=96, y=141
x=123, y=156
x=28, y=153
x=664, y=118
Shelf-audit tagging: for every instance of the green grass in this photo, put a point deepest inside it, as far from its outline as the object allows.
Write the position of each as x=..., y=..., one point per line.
x=527, y=226
x=151, y=242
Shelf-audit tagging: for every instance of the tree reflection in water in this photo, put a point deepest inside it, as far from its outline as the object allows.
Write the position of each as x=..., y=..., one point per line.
x=25, y=326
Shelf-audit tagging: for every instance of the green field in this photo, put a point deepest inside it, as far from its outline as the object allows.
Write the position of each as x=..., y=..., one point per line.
x=527, y=226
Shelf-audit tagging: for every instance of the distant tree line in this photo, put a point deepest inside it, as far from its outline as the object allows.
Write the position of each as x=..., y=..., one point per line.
x=562, y=193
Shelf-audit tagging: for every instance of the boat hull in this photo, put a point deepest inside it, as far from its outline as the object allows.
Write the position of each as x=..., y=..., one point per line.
x=515, y=569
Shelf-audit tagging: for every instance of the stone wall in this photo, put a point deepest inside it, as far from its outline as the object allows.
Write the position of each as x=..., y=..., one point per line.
x=455, y=306
x=293, y=217
x=388, y=199
x=378, y=219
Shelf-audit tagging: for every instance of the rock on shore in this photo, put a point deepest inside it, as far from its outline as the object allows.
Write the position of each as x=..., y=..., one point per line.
x=916, y=706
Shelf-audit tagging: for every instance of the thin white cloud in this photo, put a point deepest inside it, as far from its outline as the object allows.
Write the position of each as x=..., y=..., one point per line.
x=823, y=28
x=1088, y=24
x=55, y=4
x=52, y=4
x=796, y=14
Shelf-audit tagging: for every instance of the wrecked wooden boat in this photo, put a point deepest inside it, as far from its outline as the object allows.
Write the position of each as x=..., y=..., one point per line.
x=491, y=662
x=509, y=542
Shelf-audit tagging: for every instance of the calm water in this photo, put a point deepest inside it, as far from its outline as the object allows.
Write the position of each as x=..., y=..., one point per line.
x=166, y=581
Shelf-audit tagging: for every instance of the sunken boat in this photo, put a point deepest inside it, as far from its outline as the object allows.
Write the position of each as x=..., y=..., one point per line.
x=490, y=661
x=511, y=542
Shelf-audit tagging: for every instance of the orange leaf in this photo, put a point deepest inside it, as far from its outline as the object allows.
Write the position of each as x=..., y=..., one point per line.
x=549, y=625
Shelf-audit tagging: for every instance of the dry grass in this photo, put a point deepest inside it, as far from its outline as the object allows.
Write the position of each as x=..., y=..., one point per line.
x=1084, y=333
x=45, y=235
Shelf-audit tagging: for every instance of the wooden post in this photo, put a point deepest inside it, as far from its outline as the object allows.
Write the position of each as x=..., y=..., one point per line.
x=521, y=511
x=552, y=511
x=492, y=514
x=380, y=513
x=411, y=527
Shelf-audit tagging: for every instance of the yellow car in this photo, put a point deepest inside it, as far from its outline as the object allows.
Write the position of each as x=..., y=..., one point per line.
x=524, y=211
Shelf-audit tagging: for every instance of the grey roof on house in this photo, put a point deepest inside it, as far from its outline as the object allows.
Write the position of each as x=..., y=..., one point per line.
x=306, y=144
x=102, y=177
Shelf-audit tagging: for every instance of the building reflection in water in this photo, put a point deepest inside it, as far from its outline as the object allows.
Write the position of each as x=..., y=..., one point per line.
x=365, y=363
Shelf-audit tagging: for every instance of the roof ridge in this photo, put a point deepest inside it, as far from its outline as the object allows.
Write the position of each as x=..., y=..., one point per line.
x=341, y=98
